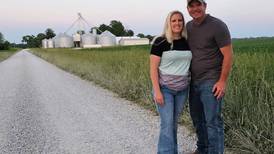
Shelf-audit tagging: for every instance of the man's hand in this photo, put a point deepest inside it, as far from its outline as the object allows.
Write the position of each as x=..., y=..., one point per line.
x=219, y=89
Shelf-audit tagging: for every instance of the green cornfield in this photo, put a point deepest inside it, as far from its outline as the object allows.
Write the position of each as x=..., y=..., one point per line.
x=249, y=101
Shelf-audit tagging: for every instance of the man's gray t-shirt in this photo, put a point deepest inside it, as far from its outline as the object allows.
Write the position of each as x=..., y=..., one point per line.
x=205, y=41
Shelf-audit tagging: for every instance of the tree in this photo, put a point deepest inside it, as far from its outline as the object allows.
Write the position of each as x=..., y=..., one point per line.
x=4, y=45
x=32, y=41
x=130, y=32
x=141, y=35
x=20, y=45
x=41, y=36
x=25, y=39
x=1, y=38
x=29, y=40
x=38, y=39
x=149, y=37
x=103, y=28
x=117, y=28
x=98, y=31
x=49, y=33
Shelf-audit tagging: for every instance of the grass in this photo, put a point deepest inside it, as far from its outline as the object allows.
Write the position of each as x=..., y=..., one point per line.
x=123, y=70
x=4, y=54
x=248, y=109
x=249, y=103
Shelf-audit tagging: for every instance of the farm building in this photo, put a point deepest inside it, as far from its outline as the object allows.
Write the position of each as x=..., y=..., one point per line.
x=47, y=43
x=133, y=41
x=89, y=40
x=107, y=39
x=63, y=40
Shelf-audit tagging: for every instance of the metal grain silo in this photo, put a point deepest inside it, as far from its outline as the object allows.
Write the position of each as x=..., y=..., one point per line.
x=44, y=43
x=50, y=43
x=62, y=40
x=88, y=39
x=107, y=39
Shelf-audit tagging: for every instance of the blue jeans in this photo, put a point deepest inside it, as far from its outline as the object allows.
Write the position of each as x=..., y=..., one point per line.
x=205, y=111
x=169, y=114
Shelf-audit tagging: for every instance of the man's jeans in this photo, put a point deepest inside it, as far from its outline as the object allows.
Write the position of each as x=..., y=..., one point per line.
x=169, y=114
x=205, y=111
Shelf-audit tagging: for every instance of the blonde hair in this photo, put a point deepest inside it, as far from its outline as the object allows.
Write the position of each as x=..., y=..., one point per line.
x=167, y=32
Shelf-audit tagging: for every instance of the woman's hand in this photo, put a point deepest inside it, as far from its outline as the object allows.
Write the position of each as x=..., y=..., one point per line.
x=158, y=98
x=154, y=75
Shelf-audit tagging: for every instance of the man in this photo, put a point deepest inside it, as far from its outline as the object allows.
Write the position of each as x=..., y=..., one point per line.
x=210, y=42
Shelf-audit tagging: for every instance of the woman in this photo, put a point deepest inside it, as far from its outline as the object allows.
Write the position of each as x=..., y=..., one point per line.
x=169, y=71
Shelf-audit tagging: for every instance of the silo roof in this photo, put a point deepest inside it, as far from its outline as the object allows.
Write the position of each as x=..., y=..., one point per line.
x=107, y=33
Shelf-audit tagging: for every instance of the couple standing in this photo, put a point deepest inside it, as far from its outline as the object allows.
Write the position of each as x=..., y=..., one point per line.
x=195, y=59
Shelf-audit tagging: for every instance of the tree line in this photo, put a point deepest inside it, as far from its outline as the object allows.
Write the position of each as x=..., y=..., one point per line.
x=118, y=29
x=4, y=44
x=115, y=27
x=32, y=41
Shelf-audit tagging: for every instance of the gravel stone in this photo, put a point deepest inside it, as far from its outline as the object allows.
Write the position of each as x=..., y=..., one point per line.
x=46, y=110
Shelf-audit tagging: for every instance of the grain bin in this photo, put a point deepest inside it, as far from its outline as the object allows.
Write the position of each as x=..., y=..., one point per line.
x=107, y=39
x=62, y=40
x=50, y=43
x=44, y=43
x=88, y=39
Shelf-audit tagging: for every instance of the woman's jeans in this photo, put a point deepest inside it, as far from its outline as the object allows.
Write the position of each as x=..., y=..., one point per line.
x=205, y=111
x=169, y=115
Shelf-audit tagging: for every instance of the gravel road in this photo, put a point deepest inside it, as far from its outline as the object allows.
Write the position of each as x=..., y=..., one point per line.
x=46, y=110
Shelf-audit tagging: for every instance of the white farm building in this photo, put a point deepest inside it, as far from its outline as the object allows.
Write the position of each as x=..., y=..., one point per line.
x=107, y=39
x=89, y=40
x=133, y=41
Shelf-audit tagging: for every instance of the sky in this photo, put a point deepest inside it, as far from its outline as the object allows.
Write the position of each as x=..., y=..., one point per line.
x=245, y=18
